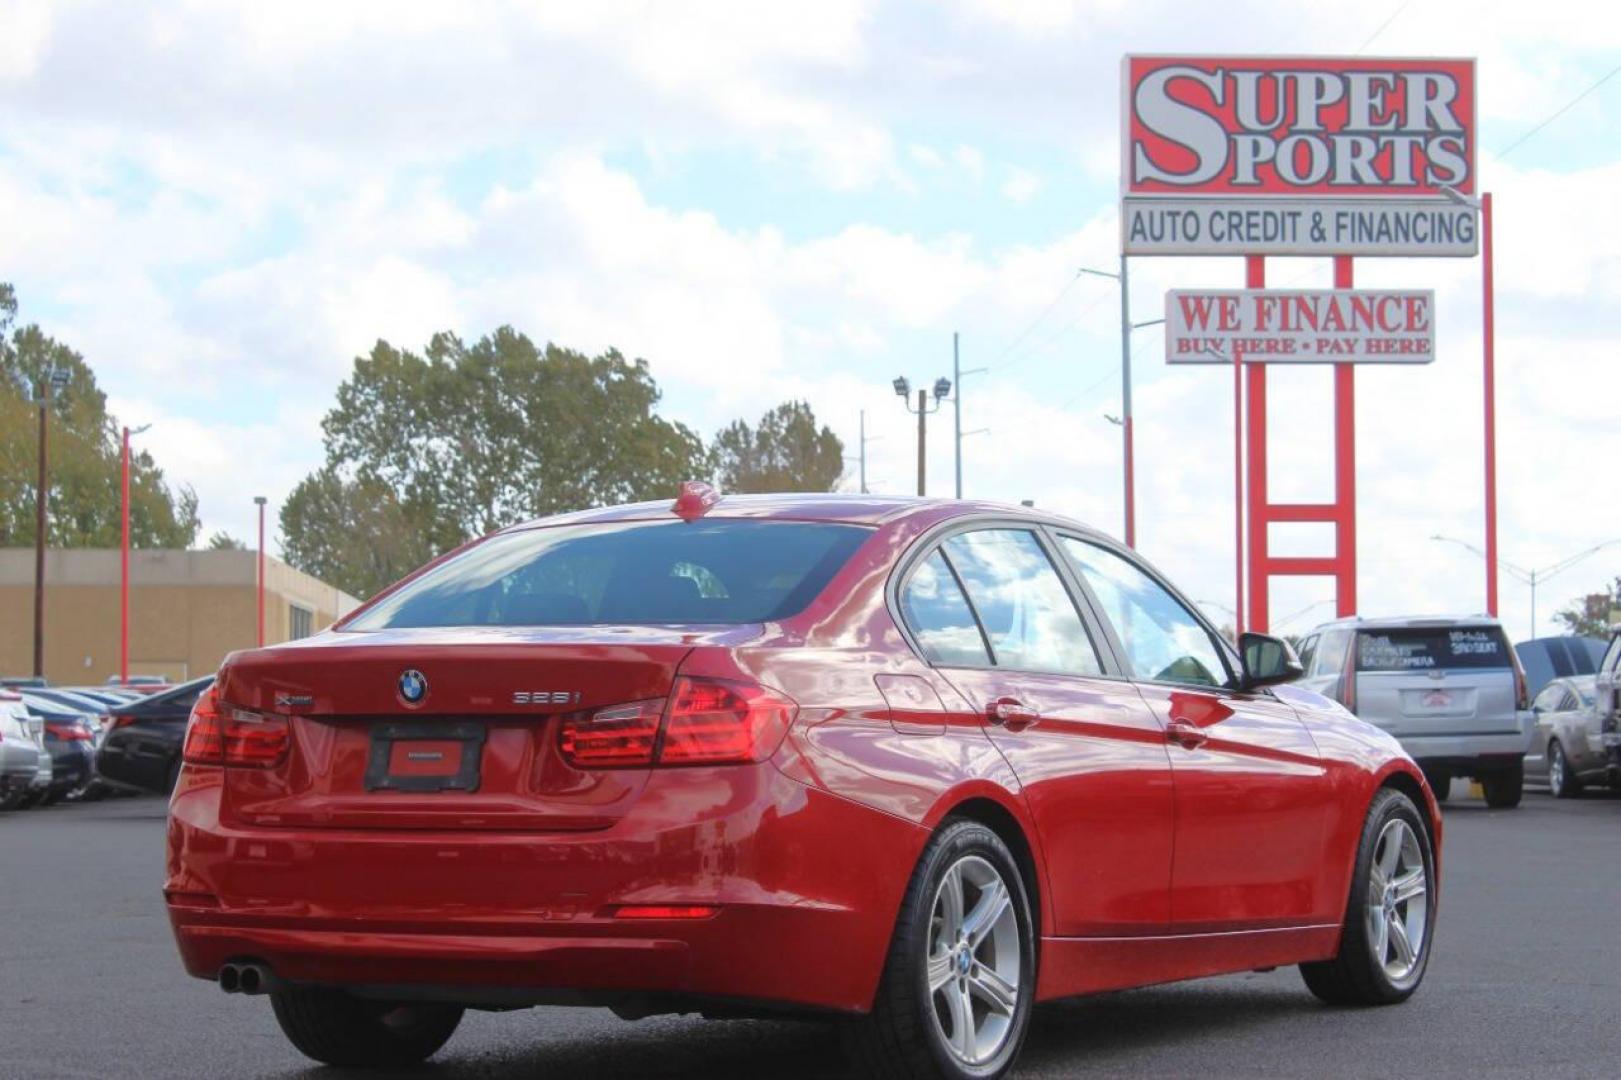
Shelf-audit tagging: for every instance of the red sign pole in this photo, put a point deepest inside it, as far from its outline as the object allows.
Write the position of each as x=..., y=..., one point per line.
x=123, y=570
x=1255, y=505
x=1489, y=330
x=1344, y=468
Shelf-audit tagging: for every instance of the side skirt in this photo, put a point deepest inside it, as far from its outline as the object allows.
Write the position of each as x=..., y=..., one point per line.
x=1071, y=966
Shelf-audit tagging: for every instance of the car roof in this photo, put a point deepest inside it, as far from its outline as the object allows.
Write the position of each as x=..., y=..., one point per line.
x=1580, y=682
x=834, y=507
x=1400, y=622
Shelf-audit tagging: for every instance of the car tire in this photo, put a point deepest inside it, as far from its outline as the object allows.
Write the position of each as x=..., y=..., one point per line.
x=1376, y=964
x=1562, y=782
x=335, y=1028
x=11, y=798
x=1504, y=787
x=928, y=982
x=1440, y=782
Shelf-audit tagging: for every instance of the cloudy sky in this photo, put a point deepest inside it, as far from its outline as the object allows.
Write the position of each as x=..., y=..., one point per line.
x=222, y=204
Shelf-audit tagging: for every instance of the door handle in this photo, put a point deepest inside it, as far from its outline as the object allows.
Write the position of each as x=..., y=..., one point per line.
x=1186, y=735
x=1011, y=713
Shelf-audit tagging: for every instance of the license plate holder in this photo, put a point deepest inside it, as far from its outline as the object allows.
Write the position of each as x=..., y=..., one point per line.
x=425, y=757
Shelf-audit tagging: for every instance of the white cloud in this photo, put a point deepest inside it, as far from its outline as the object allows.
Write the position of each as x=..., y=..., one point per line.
x=1021, y=186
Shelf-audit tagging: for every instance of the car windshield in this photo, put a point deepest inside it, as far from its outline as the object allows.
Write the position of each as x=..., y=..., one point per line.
x=716, y=572
x=1421, y=649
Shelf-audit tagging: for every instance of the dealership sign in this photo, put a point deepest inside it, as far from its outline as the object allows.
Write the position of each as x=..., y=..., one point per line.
x=1352, y=156
x=1300, y=326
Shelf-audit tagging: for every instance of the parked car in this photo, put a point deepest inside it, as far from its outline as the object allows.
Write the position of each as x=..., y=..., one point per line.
x=69, y=734
x=22, y=759
x=916, y=764
x=1567, y=749
x=1449, y=689
x=1607, y=692
x=141, y=747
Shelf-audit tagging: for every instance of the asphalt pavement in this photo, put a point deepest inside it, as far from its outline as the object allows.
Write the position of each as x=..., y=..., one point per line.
x=1525, y=980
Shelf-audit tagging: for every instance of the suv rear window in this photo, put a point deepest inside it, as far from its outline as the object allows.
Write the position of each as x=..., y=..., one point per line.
x=1431, y=647
x=724, y=571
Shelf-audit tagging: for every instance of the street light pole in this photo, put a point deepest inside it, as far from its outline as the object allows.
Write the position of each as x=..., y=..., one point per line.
x=123, y=559
x=903, y=390
x=40, y=490
x=956, y=407
x=1128, y=452
x=259, y=500
x=1531, y=577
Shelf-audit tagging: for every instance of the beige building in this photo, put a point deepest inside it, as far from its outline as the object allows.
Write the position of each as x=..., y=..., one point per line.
x=187, y=610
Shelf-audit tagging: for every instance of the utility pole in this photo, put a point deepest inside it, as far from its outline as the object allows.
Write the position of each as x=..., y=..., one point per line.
x=956, y=406
x=1129, y=479
x=259, y=500
x=957, y=374
x=123, y=562
x=54, y=380
x=863, y=451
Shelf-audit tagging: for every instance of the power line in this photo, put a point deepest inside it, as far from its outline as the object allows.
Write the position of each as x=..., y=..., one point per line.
x=1051, y=339
x=1036, y=321
x=1562, y=110
x=1382, y=26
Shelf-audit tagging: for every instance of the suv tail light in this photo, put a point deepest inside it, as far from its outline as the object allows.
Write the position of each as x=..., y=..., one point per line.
x=218, y=734
x=1522, y=689
x=702, y=722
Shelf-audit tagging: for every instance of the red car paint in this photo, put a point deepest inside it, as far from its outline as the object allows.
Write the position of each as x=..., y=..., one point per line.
x=1169, y=832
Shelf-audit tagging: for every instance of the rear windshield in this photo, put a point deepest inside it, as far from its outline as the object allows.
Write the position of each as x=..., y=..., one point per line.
x=1433, y=647
x=704, y=572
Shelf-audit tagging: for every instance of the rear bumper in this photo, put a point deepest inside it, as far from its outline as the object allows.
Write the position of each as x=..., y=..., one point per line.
x=1482, y=748
x=806, y=885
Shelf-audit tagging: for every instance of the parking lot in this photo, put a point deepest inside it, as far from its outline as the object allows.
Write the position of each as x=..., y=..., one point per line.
x=1526, y=979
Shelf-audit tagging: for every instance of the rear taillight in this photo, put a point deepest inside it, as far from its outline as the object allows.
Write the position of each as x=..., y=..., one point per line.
x=68, y=730
x=619, y=737
x=1522, y=690
x=218, y=734
x=711, y=722
x=703, y=722
x=113, y=723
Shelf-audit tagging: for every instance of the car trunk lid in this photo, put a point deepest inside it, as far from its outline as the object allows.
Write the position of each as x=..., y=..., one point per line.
x=477, y=750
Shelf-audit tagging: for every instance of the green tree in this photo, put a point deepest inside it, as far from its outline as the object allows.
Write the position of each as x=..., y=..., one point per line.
x=224, y=541
x=785, y=452
x=427, y=451
x=1593, y=614
x=85, y=449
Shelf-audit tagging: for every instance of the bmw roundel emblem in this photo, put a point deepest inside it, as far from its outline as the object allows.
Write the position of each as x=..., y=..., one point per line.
x=413, y=686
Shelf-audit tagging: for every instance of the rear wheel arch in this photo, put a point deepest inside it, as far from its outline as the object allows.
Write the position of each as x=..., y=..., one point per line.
x=1011, y=831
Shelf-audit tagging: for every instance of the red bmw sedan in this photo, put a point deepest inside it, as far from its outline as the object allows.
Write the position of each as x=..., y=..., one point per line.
x=910, y=765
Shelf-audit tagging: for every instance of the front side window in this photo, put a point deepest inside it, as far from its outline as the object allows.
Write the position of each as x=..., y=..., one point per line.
x=939, y=616
x=1162, y=640
x=1021, y=602
x=1549, y=699
x=723, y=571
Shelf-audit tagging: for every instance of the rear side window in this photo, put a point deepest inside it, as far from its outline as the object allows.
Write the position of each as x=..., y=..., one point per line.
x=939, y=616
x=1022, y=603
x=1427, y=648
x=714, y=572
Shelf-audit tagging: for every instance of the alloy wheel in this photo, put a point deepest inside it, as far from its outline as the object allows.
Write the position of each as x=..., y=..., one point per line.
x=1556, y=769
x=973, y=960
x=1398, y=902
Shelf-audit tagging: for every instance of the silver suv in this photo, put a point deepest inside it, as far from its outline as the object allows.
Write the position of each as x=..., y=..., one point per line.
x=1451, y=690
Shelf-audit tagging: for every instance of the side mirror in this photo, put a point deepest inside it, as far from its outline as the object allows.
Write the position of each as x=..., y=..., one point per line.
x=1267, y=661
